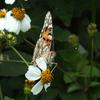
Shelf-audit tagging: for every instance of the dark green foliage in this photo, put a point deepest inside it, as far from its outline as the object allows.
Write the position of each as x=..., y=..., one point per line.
x=75, y=77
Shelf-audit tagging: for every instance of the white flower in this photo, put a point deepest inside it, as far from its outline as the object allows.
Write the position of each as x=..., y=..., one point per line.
x=17, y=20
x=2, y=24
x=9, y=1
x=2, y=19
x=40, y=73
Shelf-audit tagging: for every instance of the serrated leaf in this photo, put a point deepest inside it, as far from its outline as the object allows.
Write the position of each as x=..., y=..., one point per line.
x=73, y=87
x=90, y=70
x=94, y=84
x=71, y=56
x=69, y=77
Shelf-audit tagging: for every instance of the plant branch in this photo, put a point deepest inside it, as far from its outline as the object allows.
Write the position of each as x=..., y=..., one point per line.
x=19, y=55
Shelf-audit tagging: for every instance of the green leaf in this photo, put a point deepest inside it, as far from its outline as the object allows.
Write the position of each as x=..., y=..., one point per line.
x=79, y=95
x=70, y=55
x=81, y=63
x=69, y=77
x=73, y=87
x=61, y=34
x=94, y=84
x=90, y=70
x=7, y=98
x=95, y=93
x=12, y=86
x=50, y=94
x=80, y=6
x=63, y=10
x=13, y=68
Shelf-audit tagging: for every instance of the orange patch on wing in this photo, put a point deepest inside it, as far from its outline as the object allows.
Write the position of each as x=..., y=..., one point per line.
x=45, y=35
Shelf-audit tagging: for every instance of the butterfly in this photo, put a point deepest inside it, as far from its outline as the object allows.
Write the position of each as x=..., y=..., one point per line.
x=44, y=46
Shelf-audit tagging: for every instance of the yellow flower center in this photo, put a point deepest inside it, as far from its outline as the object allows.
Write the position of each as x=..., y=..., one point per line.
x=46, y=76
x=18, y=13
x=2, y=14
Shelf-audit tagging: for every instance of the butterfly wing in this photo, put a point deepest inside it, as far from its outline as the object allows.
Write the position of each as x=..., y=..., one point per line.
x=44, y=43
x=47, y=24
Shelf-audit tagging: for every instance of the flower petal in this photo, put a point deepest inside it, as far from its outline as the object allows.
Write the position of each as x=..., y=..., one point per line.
x=2, y=23
x=9, y=1
x=41, y=63
x=28, y=18
x=33, y=73
x=25, y=24
x=46, y=86
x=12, y=25
x=37, y=88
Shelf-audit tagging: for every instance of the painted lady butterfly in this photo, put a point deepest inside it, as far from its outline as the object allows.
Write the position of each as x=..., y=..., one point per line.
x=44, y=46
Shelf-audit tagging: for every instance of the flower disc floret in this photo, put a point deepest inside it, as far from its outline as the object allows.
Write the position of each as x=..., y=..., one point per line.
x=18, y=13
x=2, y=14
x=46, y=76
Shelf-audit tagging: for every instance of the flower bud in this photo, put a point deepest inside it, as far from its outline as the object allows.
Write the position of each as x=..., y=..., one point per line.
x=27, y=90
x=2, y=34
x=11, y=39
x=28, y=86
x=73, y=40
x=92, y=29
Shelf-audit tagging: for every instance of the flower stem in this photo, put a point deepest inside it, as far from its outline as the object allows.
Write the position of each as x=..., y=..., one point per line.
x=20, y=3
x=93, y=38
x=26, y=97
x=13, y=61
x=92, y=50
x=29, y=43
x=92, y=55
x=19, y=55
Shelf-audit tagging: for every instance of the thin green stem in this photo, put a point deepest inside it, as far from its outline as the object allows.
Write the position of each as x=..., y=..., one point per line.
x=92, y=38
x=21, y=3
x=92, y=50
x=54, y=67
x=19, y=55
x=14, y=61
x=29, y=43
x=26, y=97
x=92, y=55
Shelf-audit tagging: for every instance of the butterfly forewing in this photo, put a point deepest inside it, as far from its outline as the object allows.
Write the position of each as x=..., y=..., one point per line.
x=45, y=41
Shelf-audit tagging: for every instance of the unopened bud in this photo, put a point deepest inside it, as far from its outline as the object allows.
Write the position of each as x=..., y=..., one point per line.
x=92, y=29
x=11, y=39
x=2, y=34
x=73, y=40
